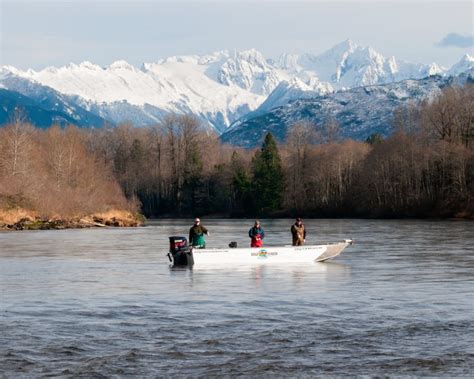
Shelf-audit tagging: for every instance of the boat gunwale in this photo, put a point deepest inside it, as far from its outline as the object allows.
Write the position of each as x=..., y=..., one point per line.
x=295, y=248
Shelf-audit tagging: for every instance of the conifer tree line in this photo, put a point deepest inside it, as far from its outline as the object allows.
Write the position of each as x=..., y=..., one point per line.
x=177, y=168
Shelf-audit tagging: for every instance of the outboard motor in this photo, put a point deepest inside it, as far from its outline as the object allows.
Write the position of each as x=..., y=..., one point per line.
x=180, y=253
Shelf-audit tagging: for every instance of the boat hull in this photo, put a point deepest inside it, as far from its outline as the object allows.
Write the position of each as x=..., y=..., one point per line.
x=269, y=254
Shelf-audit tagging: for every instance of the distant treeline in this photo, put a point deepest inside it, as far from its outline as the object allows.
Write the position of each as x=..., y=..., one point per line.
x=176, y=168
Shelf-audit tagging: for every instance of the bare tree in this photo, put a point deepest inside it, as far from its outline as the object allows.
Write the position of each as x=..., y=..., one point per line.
x=16, y=146
x=300, y=137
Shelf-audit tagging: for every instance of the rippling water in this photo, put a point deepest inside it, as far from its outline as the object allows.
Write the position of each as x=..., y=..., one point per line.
x=104, y=302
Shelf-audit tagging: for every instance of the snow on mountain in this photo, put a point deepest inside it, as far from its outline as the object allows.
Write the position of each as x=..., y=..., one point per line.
x=359, y=111
x=43, y=114
x=177, y=84
x=49, y=100
x=221, y=87
x=294, y=89
x=348, y=65
x=250, y=71
x=466, y=63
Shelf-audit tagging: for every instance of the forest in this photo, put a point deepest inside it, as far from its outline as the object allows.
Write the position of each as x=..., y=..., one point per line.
x=177, y=168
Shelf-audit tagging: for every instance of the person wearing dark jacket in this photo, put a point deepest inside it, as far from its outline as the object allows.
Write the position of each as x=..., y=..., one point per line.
x=196, y=235
x=298, y=232
x=256, y=233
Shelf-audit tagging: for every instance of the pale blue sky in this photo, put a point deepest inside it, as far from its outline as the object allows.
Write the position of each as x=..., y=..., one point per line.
x=35, y=34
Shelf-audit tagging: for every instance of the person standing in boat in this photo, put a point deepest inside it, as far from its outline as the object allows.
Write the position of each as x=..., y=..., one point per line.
x=256, y=233
x=298, y=232
x=196, y=235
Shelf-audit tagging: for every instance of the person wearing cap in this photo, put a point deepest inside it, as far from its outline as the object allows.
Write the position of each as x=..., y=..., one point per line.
x=298, y=232
x=196, y=235
x=256, y=233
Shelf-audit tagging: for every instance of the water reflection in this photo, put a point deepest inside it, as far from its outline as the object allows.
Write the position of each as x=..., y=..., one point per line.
x=302, y=275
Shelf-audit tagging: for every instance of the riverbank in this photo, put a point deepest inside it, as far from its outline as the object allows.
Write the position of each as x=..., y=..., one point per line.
x=22, y=219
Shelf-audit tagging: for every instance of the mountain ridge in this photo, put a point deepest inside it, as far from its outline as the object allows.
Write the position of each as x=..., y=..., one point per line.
x=43, y=115
x=219, y=88
x=360, y=111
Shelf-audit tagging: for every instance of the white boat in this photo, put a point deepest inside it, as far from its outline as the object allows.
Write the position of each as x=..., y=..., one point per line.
x=266, y=255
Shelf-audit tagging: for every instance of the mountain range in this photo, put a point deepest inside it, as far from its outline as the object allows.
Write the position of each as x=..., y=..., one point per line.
x=359, y=112
x=221, y=89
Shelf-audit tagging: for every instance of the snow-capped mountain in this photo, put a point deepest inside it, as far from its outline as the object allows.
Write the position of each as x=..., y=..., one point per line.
x=218, y=88
x=466, y=63
x=250, y=71
x=294, y=89
x=52, y=101
x=355, y=67
x=43, y=115
x=359, y=111
x=348, y=65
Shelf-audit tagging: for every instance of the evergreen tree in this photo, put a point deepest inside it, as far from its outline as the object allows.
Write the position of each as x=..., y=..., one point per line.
x=242, y=201
x=193, y=188
x=218, y=199
x=374, y=139
x=268, y=179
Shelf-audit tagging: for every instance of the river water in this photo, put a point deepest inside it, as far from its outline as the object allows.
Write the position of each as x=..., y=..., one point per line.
x=104, y=302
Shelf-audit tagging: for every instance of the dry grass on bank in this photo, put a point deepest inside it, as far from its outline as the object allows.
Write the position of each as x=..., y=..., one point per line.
x=19, y=219
x=117, y=217
x=12, y=216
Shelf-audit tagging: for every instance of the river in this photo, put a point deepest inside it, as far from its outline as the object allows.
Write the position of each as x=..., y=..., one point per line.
x=104, y=302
